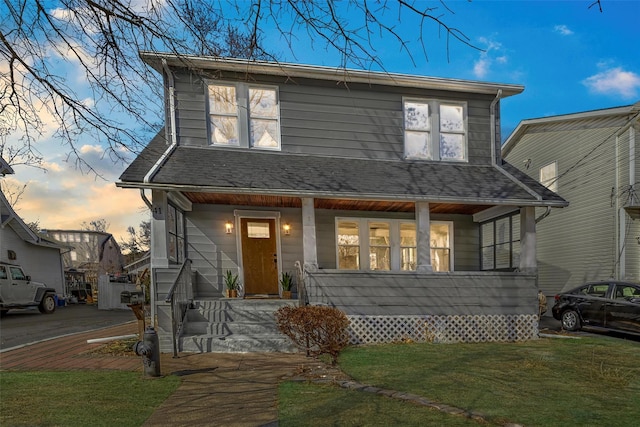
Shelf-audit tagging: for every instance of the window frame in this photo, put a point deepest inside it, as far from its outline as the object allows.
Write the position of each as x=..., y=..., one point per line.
x=396, y=247
x=552, y=182
x=513, y=262
x=176, y=236
x=434, y=129
x=244, y=115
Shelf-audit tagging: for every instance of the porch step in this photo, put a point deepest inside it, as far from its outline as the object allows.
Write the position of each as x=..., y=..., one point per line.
x=234, y=325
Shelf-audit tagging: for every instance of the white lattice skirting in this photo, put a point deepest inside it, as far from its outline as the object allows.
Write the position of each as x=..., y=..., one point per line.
x=442, y=329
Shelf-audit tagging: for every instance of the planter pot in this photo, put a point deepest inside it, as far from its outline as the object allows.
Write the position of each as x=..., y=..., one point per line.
x=286, y=294
x=234, y=293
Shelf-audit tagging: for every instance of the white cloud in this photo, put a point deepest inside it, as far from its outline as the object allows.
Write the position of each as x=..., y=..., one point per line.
x=482, y=66
x=562, y=30
x=614, y=81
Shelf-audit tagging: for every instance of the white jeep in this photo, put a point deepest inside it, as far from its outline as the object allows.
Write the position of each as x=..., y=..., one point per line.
x=18, y=291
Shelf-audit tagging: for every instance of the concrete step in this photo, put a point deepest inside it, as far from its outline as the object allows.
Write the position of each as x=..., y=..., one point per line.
x=235, y=325
x=230, y=328
x=236, y=344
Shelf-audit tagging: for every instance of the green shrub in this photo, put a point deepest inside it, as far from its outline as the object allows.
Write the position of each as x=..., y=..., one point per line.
x=315, y=329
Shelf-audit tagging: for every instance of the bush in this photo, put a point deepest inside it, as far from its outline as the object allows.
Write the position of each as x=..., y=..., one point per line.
x=315, y=329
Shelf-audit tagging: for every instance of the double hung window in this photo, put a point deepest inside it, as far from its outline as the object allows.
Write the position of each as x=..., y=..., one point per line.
x=389, y=244
x=244, y=115
x=435, y=130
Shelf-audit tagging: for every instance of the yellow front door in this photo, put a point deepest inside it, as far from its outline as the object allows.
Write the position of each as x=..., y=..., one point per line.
x=259, y=256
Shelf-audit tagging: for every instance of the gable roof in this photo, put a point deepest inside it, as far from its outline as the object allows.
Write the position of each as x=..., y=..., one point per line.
x=8, y=217
x=526, y=125
x=334, y=74
x=5, y=168
x=236, y=171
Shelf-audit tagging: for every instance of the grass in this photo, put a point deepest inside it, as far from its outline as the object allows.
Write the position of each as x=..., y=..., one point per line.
x=546, y=382
x=79, y=398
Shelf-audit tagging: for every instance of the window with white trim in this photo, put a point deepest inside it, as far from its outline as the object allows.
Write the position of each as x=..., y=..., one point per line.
x=549, y=176
x=243, y=115
x=435, y=130
x=176, y=235
x=500, y=243
x=389, y=244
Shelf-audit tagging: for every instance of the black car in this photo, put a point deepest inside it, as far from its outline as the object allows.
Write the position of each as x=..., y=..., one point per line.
x=607, y=305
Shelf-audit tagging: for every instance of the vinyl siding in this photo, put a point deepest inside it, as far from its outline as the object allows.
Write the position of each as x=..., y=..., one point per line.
x=321, y=118
x=576, y=243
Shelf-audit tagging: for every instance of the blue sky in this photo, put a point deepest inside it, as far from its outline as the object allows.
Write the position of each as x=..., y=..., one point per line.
x=568, y=57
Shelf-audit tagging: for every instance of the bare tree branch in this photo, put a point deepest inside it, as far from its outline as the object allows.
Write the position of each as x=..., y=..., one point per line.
x=73, y=65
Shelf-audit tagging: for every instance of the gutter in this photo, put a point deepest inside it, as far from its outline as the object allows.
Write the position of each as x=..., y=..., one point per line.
x=536, y=199
x=492, y=110
x=170, y=129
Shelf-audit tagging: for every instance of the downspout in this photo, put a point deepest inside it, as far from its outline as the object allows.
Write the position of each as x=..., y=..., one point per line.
x=619, y=217
x=544, y=215
x=492, y=110
x=170, y=134
x=170, y=130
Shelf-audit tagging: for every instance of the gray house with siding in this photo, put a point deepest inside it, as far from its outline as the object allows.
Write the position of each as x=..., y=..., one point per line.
x=387, y=191
x=591, y=159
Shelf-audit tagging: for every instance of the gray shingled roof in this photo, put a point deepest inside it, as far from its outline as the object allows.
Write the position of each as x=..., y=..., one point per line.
x=278, y=173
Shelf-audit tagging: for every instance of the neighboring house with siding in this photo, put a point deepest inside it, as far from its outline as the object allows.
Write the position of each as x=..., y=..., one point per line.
x=378, y=184
x=94, y=253
x=590, y=159
x=39, y=256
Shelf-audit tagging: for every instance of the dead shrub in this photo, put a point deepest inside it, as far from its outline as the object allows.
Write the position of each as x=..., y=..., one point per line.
x=315, y=329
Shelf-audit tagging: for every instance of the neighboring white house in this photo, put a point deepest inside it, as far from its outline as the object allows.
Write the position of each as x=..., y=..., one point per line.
x=39, y=257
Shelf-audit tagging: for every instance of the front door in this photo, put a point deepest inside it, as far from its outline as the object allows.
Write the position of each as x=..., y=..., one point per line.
x=259, y=256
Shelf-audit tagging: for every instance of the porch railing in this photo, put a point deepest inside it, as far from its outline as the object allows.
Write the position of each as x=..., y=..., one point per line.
x=180, y=297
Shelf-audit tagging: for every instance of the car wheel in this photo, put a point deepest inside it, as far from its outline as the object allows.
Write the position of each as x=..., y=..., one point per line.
x=3, y=313
x=570, y=320
x=47, y=305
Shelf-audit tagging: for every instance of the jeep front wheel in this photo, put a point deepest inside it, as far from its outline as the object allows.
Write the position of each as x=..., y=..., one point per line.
x=47, y=305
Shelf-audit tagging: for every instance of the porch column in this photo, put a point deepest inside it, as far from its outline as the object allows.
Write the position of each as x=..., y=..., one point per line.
x=309, y=242
x=528, y=262
x=159, y=252
x=423, y=232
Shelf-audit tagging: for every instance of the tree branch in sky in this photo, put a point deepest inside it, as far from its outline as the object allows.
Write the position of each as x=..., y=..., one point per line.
x=70, y=69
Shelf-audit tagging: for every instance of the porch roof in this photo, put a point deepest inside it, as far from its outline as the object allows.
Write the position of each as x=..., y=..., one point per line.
x=268, y=173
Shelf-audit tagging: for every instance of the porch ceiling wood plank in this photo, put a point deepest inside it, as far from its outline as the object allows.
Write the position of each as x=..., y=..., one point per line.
x=333, y=204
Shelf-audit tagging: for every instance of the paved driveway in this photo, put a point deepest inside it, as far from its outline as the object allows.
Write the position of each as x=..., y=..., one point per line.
x=25, y=326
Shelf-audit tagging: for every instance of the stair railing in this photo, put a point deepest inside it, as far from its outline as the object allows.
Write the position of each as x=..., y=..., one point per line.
x=180, y=297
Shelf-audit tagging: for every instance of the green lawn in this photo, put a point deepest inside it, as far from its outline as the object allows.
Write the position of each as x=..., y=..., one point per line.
x=546, y=382
x=98, y=398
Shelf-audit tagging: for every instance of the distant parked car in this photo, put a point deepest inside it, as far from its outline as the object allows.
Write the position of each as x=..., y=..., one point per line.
x=606, y=305
x=17, y=290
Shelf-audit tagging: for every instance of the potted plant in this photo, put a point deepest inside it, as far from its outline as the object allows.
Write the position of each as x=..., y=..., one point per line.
x=231, y=282
x=286, y=281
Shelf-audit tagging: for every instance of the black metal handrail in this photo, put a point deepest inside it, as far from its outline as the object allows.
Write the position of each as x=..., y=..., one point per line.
x=180, y=297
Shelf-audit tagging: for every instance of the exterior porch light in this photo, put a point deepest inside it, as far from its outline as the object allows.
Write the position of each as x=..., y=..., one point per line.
x=228, y=227
x=286, y=228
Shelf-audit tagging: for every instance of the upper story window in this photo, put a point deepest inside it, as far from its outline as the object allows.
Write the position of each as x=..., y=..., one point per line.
x=435, y=130
x=243, y=115
x=549, y=176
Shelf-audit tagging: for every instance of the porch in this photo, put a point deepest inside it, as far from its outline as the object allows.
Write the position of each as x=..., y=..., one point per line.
x=382, y=307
